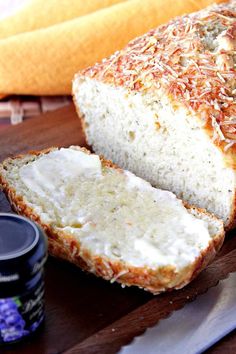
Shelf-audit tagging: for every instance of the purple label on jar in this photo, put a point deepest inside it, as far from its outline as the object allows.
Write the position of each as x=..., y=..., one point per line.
x=21, y=315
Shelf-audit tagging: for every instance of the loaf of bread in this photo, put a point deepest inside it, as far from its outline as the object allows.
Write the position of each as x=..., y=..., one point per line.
x=110, y=222
x=164, y=108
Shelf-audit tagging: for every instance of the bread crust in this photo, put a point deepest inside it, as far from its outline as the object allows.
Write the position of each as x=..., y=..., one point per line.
x=152, y=59
x=63, y=245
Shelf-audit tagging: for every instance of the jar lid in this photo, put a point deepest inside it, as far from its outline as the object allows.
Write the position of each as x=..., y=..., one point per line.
x=17, y=236
x=22, y=247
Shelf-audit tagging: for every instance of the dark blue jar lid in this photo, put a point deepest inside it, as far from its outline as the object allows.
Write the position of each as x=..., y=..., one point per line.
x=17, y=236
x=23, y=248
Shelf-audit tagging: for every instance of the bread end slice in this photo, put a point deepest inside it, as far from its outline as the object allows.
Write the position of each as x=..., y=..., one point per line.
x=65, y=245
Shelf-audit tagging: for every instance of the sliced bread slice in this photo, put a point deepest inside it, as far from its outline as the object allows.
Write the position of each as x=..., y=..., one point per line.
x=110, y=222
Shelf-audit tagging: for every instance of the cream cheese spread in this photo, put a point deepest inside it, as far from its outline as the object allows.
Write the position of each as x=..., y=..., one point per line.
x=111, y=213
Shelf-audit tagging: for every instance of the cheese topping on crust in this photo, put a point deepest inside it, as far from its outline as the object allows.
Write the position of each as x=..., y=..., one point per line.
x=192, y=59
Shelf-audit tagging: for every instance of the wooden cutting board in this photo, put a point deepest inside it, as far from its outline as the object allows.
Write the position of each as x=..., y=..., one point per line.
x=85, y=314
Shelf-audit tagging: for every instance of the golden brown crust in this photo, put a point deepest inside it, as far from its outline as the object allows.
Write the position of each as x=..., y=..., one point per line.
x=192, y=60
x=64, y=246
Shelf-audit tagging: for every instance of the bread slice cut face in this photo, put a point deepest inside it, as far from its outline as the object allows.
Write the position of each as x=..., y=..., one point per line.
x=110, y=222
x=163, y=144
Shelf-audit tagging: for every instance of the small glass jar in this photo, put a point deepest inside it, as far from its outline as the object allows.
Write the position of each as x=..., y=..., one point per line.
x=23, y=252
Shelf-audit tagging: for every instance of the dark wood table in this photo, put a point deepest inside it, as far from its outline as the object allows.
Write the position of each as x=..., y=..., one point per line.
x=85, y=314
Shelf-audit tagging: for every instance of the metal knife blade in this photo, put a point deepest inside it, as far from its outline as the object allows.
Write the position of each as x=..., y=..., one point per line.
x=195, y=327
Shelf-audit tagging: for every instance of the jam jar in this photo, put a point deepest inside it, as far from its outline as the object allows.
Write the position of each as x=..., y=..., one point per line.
x=23, y=253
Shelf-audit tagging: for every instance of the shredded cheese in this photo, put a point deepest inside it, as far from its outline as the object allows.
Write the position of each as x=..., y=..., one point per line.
x=177, y=59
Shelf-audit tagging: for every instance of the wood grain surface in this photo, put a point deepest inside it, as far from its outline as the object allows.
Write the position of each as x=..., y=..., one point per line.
x=85, y=314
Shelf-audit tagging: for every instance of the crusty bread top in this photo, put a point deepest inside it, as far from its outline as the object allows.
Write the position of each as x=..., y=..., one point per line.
x=192, y=58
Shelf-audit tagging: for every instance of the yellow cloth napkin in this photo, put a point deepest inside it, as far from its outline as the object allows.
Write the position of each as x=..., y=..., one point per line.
x=36, y=14
x=45, y=44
